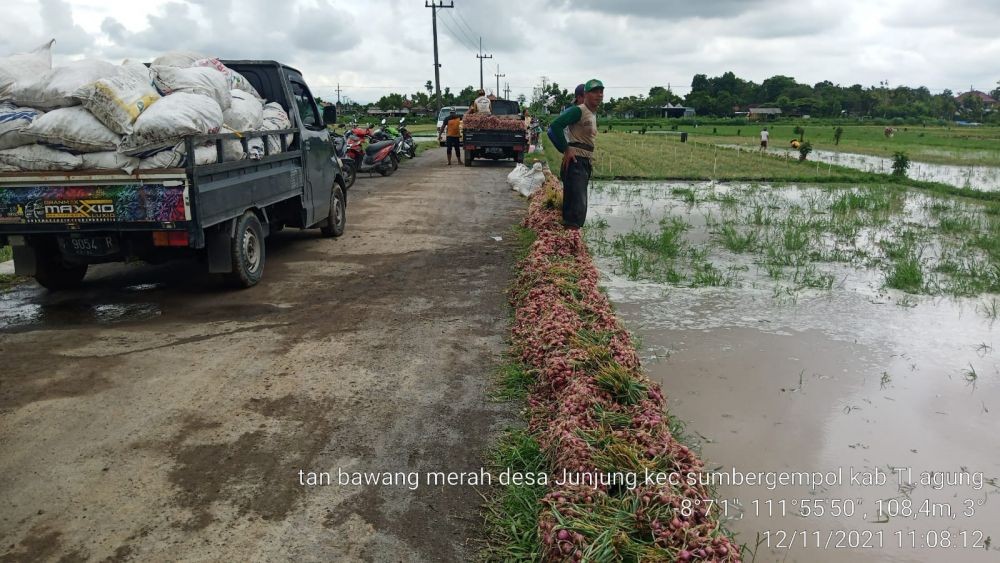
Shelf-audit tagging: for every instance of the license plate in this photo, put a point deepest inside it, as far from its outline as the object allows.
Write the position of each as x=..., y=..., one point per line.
x=90, y=246
x=494, y=150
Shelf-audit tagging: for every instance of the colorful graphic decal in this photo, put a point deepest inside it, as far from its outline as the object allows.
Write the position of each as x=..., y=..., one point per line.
x=92, y=204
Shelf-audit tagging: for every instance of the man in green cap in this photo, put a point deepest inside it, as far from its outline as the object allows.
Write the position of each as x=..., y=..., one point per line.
x=574, y=133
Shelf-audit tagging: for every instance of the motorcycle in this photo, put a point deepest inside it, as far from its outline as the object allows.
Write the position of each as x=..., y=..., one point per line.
x=347, y=162
x=401, y=137
x=380, y=157
x=409, y=147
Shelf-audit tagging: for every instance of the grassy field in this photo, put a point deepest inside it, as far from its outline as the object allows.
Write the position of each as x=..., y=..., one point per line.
x=939, y=145
x=628, y=156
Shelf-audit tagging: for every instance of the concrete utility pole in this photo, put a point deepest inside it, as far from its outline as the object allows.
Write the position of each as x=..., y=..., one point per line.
x=499, y=76
x=506, y=91
x=481, y=56
x=434, y=5
x=338, y=94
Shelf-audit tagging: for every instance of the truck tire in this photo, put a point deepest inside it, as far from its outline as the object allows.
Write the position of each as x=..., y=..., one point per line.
x=519, y=157
x=468, y=158
x=337, y=219
x=247, y=250
x=54, y=274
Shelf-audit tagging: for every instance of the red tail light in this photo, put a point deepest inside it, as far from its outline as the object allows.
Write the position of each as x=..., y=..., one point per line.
x=170, y=238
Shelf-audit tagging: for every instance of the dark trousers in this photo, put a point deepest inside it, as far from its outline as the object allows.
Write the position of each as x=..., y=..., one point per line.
x=453, y=142
x=575, y=178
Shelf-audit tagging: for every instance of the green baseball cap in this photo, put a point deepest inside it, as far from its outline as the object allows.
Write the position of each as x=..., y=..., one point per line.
x=593, y=84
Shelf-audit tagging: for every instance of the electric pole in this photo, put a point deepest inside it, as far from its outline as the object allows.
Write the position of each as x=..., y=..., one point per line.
x=499, y=76
x=506, y=91
x=481, y=56
x=338, y=94
x=434, y=5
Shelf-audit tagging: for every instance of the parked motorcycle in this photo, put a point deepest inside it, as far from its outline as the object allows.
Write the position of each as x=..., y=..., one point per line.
x=347, y=162
x=409, y=147
x=378, y=157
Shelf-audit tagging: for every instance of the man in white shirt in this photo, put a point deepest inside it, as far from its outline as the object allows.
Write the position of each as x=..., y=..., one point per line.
x=763, y=139
x=481, y=104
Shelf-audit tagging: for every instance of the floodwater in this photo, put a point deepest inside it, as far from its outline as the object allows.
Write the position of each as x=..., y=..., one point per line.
x=893, y=399
x=982, y=178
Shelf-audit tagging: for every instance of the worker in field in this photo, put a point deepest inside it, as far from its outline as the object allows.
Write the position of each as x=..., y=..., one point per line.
x=481, y=104
x=763, y=139
x=450, y=128
x=575, y=134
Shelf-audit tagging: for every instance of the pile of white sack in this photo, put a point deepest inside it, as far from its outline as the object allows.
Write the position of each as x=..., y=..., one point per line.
x=91, y=114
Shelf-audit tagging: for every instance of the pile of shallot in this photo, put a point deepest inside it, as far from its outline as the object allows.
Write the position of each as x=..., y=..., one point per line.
x=594, y=413
x=479, y=121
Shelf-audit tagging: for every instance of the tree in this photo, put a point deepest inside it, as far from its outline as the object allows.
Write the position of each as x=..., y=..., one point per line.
x=429, y=86
x=390, y=101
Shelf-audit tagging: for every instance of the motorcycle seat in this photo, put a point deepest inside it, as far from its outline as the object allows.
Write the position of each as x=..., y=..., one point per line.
x=373, y=148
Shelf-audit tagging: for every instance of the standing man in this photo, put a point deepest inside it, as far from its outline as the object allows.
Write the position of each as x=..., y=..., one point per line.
x=575, y=132
x=763, y=139
x=452, y=141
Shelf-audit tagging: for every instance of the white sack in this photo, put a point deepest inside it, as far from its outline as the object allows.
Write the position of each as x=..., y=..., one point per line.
x=23, y=68
x=39, y=157
x=170, y=119
x=13, y=121
x=74, y=129
x=55, y=88
x=119, y=99
x=109, y=160
x=275, y=118
x=245, y=114
x=526, y=180
x=197, y=80
x=179, y=59
x=172, y=158
x=236, y=80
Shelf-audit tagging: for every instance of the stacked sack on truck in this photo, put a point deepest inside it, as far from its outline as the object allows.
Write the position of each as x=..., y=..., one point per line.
x=91, y=114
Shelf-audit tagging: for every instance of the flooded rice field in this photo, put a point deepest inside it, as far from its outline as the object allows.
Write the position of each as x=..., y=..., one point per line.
x=831, y=350
x=982, y=178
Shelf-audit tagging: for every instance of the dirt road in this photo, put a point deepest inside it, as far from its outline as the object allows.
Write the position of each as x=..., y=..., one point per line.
x=156, y=415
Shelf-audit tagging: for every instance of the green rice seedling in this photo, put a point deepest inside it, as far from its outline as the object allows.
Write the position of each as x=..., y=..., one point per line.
x=686, y=195
x=970, y=374
x=704, y=274
x=738, y=242
x=906, y=274
x=989, y=309
x=795, y=237
x=958, y=224
x=809, y=277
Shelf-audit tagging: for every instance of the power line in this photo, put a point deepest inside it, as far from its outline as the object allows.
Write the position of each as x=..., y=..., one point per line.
x=458, y=38
x=454, y=21
x=466, y=23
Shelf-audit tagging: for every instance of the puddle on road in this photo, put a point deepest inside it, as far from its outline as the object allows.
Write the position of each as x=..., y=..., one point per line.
x=982, y=178
x=21, y=309
x=821, y=380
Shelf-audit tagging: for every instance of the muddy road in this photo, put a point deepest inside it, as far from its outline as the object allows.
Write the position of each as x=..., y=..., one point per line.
x=156, y=415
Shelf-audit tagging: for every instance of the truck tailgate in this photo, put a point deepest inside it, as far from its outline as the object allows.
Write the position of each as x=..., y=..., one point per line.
x=57, y=201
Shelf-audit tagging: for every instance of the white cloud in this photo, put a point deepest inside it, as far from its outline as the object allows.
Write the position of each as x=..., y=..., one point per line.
x=376, y=46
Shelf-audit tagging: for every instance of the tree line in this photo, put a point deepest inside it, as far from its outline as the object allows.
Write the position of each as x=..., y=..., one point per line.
x=725, y=95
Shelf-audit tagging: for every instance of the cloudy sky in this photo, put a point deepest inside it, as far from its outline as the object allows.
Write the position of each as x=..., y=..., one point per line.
x=371, y=47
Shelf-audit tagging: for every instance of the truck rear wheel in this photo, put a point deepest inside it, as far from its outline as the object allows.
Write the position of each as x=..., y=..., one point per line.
x=468, y=158
x=519, y=157
x=247, y=250
x=53, y=273
x=337, y=219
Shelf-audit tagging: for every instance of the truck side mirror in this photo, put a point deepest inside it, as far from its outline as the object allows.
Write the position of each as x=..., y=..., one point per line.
x=330, y=115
